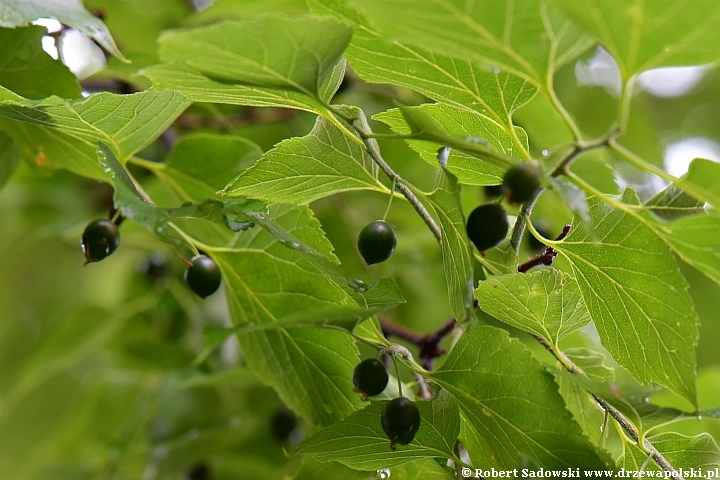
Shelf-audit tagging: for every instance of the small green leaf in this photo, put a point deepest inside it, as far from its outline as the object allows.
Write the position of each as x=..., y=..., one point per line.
x=642, y=35
x=699, y=452
x=200, y=164
x=500, y=260
x=636, y=296
x=513, y=403
x=672, y=203
x=457, y=262
x=468, y=168
x=546, y=303
x=592, y=363
x=695, y=239
x=301, y=170
x=65, y=133
x=584, y=409
x=280, y=52
x=27, y=70
x=17, y=13
x=359, y=442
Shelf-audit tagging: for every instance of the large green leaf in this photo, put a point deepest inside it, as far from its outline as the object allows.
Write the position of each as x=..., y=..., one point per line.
x=530, y=39
x=695, y=239
x=280, y=52
x=636, y=296
x=546, y=303
x=469, y=169
x=513, y=403
x=457, y=262
x=698, y=452
x=300, y=170
x=359, y=442
x=673, y=203
x=15, y=13
x=647, y=34
x=27, y=70
x=65, y=133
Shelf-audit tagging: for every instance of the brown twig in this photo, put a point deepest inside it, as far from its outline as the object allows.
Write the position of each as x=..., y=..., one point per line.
x=547, y=256
x=428, y=344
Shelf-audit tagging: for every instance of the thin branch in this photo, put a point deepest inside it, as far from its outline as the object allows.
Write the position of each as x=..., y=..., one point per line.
x=547, y=256
x=372, y=147
x=623, y=421
x=428, y=345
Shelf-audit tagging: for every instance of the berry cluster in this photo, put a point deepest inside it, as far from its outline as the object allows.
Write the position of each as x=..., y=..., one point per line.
x=400, y=419
x=487, y=225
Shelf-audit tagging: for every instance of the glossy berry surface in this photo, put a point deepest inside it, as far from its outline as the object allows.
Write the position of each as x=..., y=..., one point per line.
x=370, y=377
x=400, y=420
x=376, y=242
x=487, y=226
x=100, y=239
x=283, y=423
x=521, y=182
x=494, y=191
x=204, y=276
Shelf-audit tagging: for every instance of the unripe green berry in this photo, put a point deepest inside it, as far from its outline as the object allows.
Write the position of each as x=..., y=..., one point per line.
x=376, y=242
x=100, y=239
x=204, y=276
x=487, y=226
x=522, y=182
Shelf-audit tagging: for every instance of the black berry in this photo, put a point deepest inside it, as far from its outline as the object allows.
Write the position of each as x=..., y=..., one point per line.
x=376, y=242
x=494, y=191
x=400, y=420
x=283, y=424
x=370, y=377
x=522, y=182
x=100, y=239
x=487, y=226
x=201, y=471
x=204, y=276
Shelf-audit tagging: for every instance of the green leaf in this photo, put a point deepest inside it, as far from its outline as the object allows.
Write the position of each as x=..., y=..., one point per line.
x=197, y=87
x=703, y=181
x=695, y=239
x=698, y=452
x=500, y=260
x=64, y=133
x=200, y=164
x=468, y=168
x=27, y=70
x=280, y=52
x=359, y=442
x=9, y=158
x=224, y=9
x=427, y=469
x=530, y=39
x=512, y=402
x=17, y=13
x=592, y=363
x=672, y=203
x=584, y=409
x=636, y=296
x=457, y=262
x=301, y=170
x=643, y=35
x=546, y=303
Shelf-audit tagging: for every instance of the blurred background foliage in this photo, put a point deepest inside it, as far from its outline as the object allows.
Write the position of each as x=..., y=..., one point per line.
x=98, y=369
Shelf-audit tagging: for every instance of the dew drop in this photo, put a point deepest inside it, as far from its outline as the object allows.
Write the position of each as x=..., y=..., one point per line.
x=383, y=473
x=545, y=152
x=699, y=417
x=295, y=245
x=357, y=284
x=647, y=400
x=496, y=70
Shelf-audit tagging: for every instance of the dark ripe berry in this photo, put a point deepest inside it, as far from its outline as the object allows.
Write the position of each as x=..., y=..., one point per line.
x=100, y=239
x=201, y=471
x=370, y=377
x=204, y=276
x=522, y=182
x=487, y=226
x=283, y=424
x=400, y=420
x=153, y=267
x=494, y=191
x=376, y=242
